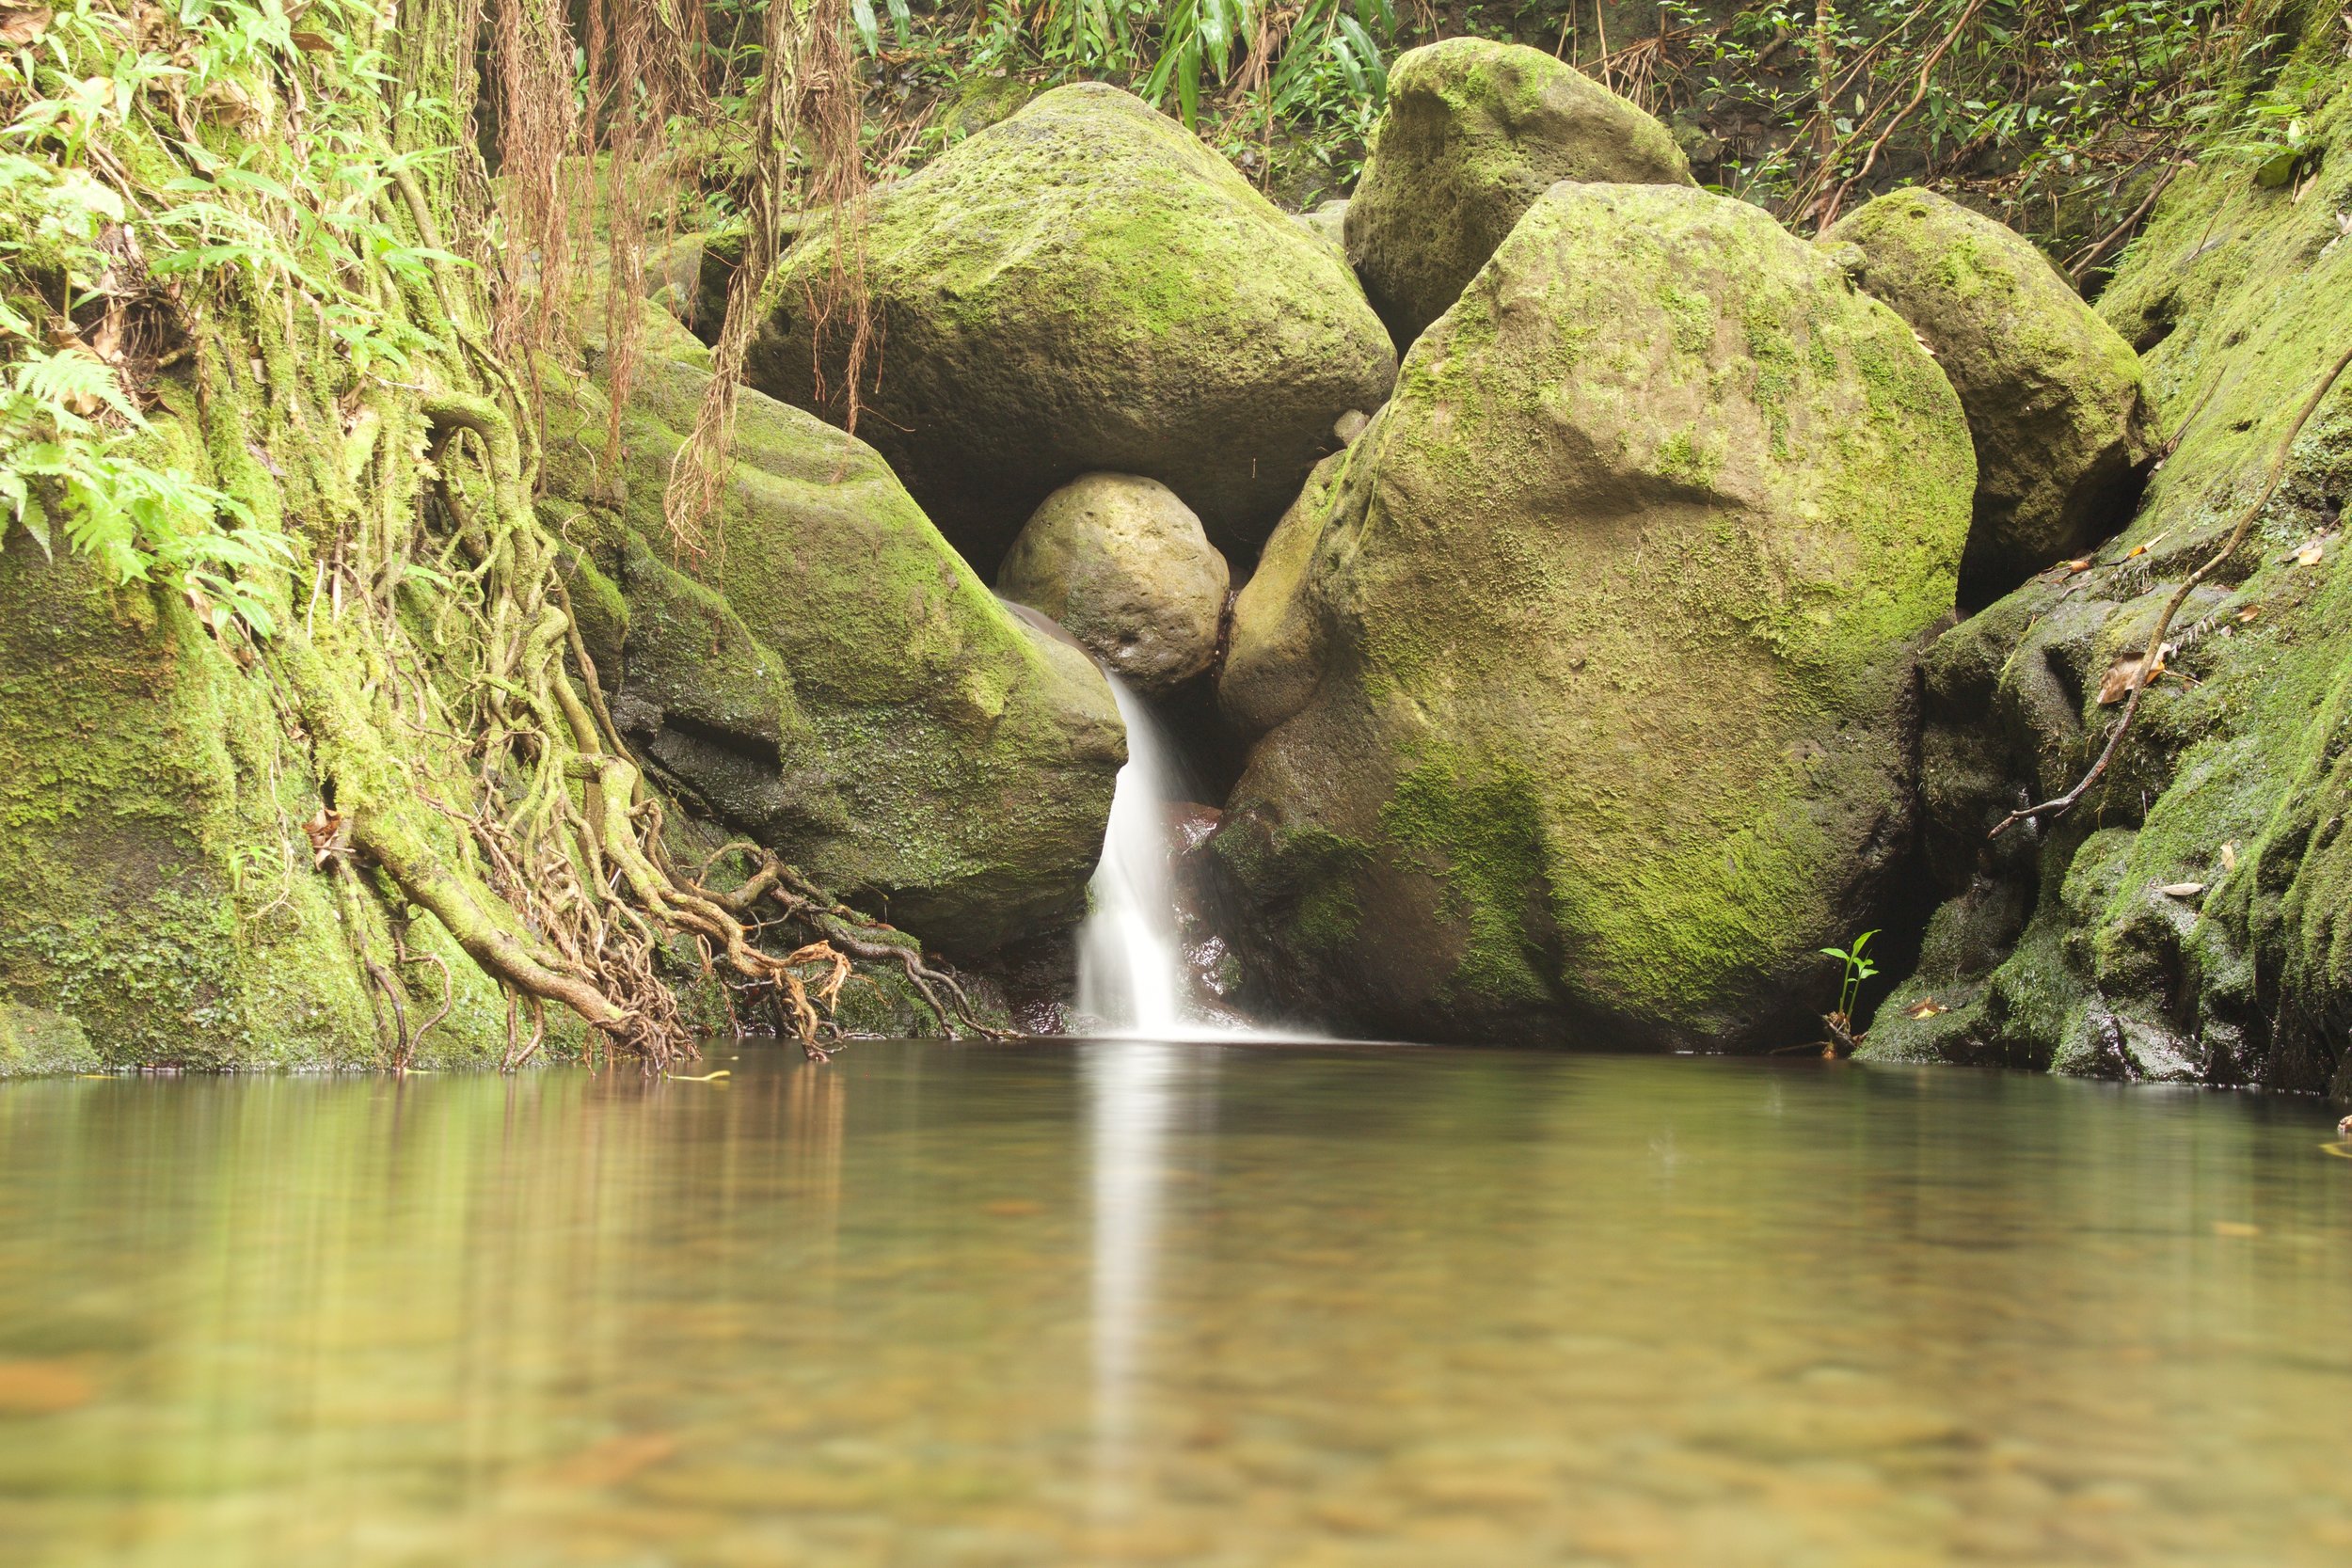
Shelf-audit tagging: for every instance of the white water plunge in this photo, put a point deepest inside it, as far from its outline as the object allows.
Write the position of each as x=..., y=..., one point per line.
x=1131, y=975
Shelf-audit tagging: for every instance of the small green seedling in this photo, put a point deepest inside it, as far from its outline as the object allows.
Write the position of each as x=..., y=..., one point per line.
x=1858, y=969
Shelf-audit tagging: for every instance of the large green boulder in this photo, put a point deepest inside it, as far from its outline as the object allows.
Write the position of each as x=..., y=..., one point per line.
x=1591, y=697
x=2055, y=404
x=1474, y=132
x=825, y=674
x=1083, y=286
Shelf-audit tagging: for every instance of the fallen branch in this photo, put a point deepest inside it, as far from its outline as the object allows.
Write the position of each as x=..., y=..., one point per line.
x=2151, y=660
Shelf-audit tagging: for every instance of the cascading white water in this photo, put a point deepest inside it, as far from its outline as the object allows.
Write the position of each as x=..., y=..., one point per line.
x=1130, y=962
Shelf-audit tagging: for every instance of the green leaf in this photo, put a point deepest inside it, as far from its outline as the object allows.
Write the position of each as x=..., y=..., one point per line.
x=29, y=512
x=1188, y=82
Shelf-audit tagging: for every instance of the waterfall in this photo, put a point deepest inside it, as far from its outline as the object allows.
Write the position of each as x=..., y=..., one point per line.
x=1130, y=963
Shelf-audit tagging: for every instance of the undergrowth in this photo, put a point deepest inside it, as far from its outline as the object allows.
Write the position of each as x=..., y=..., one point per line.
x=238, y=362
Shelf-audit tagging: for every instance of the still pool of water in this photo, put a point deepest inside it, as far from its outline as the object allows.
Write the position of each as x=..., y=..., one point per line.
x=939, y=1304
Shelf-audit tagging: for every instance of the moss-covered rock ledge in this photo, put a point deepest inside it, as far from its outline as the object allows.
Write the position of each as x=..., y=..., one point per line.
x=2192, y=919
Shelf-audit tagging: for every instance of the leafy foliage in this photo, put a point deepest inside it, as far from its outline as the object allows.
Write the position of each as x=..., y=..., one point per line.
x=1858, y=969
x=92, y=259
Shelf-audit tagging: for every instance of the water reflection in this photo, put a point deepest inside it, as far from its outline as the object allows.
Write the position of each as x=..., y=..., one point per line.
x=1200, y=1305
x=1134, y=1092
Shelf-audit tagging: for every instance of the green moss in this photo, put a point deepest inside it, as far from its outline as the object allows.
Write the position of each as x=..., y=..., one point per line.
x=1473, y=133
x=1482, y=833
x=163, y=897
x=32, y=1039
x=1691, y=318
x=1618, y=666
x=832, y=679
x=1086, y=287
x=1679, y=457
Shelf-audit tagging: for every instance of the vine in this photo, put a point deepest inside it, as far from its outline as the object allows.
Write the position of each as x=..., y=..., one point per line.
x=242, y=365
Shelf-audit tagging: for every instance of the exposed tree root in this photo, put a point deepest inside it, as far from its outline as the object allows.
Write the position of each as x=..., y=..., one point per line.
x=2151, y=662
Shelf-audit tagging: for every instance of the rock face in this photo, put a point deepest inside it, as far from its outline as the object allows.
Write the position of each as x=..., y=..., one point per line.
x=830, y=677
x=1587, y=671
x=1327, y=222
x=2192, y=918
x=1121, y=563
x=1086, y=287
x=163, y=907
x=1474, y=132
x=2055, y=400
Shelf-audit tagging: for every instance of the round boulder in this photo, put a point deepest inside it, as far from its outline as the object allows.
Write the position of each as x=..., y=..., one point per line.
x=1122, y=564
x=1086, y=287
x=2055, y=404
x=1474, y=132
x=829, y=677
x=1588, y=672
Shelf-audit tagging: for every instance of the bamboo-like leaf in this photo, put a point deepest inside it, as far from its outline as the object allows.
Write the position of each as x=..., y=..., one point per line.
x=1376, y=74
x=1188, y=82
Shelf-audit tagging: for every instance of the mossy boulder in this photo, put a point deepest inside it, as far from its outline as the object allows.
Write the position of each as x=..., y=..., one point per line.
x=2192, y=917
x=1121, y=563
x=162, y=907
x=1591, y=691
x=2055, y=398
x=827, y=675
x=1473, y=133
x=1086, y=287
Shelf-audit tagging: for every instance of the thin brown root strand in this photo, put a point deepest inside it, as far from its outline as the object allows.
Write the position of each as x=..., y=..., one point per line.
x=2151, y=658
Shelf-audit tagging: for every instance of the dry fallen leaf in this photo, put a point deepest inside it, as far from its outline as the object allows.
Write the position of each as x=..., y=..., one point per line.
x=329, y=833
x=2121, y=676
x=2228, y=857
x=2143, y=549
x=21, y=25
x=2236, y=1228
x=2182, y=890
x=1927, y=1006
x=2312, y=554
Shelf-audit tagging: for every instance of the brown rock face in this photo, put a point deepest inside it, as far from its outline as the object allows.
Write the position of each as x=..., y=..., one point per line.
x=1123, y=565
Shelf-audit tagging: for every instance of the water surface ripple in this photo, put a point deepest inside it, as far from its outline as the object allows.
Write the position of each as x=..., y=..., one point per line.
x=1128, y=1302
